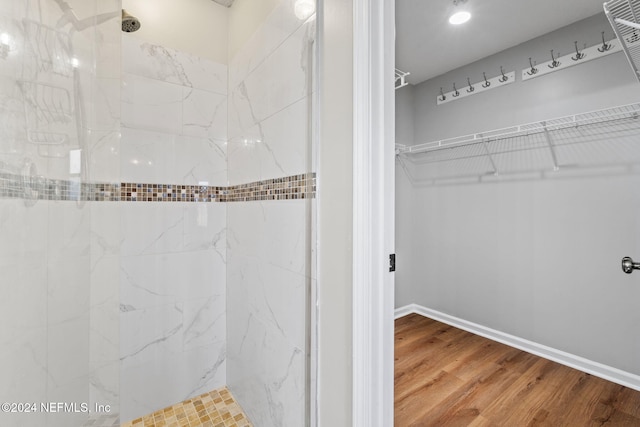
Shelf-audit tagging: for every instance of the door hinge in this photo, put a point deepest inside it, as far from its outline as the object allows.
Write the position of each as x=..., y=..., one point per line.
x=392, y=262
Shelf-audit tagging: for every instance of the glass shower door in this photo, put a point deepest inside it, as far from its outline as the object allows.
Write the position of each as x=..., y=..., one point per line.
x=59, y=308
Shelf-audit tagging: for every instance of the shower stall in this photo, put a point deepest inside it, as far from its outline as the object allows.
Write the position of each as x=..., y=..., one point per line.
x=157, y=208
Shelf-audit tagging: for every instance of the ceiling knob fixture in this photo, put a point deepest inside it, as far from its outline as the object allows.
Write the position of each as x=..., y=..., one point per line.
x=460, y=14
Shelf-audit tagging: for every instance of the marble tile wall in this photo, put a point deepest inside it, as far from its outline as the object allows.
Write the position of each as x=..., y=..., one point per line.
x=173, y=256
x=128, y=303
x=269, y=100
x=269, y=259
x=59, y=340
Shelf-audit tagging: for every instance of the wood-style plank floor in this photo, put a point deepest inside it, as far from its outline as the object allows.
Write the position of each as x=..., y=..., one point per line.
x=447, y=377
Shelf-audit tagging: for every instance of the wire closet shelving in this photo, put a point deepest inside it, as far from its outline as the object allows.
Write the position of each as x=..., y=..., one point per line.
x=624, y=16
x=598, y=138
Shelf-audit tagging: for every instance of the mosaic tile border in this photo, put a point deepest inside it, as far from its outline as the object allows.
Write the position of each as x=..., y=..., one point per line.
x=217, y=408
x=293, y=187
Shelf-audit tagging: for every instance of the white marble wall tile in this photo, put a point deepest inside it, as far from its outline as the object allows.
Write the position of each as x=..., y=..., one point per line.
x=12, y=27
x=273, y=231
x=75, y=391
x=272, y=295
x=68, y=352
x=146, y=388
x=209, y=369
x=23, y=369
x=22, y=229
x=146, y=333
x=204, y=321
x=24, y=302
x=69, y=229
x=205, y=228
x=278, y=146
x=147, y=156
x=151, y=104
x=173, y=328
x=105, y=311
x=104, y=156
x=105, y=231
x=154, y=157
x=104, y=386
x=168, y=65
x=11, y=8
x=67, y=290
x=271, y=389
x=105, y=103
x=276, y=28
x=288, y=73
x=108, y=37
x=175, y=228
x=199, y=160
x=204, y=114
x=268, y=243
x=166, y=279
x=108, y=53
x=148, y=229
x=52, y=363
x=13, y=143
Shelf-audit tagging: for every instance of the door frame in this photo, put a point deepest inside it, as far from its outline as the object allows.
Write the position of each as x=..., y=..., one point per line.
x=373, y=212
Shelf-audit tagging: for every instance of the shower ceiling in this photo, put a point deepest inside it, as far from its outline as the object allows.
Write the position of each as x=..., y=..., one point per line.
x=428, y=46
x=226, y=3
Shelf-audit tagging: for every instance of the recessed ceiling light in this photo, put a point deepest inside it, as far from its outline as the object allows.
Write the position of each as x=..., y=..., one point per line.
x=459, y=18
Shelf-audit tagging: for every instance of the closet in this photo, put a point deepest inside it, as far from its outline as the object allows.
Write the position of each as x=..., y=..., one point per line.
x=518, y=193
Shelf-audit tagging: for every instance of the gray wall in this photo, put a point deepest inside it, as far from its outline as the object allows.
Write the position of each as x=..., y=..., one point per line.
x=405, y=111
x=594, y=85
x=538, y=256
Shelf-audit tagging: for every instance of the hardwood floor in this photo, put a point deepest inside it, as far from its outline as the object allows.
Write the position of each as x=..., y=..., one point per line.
x=447, y=377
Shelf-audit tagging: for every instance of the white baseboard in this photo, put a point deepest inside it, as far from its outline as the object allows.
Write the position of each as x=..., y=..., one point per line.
x=609, y=373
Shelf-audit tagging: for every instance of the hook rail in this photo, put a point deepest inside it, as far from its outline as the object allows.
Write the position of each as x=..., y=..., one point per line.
x=474, y=88
x=578, y=57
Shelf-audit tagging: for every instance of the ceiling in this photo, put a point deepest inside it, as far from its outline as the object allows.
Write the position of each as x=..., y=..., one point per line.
x=428, y=46
x=226, y=3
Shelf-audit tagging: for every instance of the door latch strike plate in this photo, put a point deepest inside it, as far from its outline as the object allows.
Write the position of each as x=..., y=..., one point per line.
x=392, y=262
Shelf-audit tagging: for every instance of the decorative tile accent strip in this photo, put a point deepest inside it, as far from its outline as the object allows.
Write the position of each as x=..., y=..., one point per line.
x=290, y=187
x=217, y=408
x=133, y=192
x=39, y=188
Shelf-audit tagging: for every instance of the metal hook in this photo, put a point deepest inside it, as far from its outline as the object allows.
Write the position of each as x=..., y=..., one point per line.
x=579, y=55
x=442, y=96
x=605, y=46
x=455, y=91
x=486, y=83
x=471, y=88
x=554, y=61
x=534, y=70
x=503, y=78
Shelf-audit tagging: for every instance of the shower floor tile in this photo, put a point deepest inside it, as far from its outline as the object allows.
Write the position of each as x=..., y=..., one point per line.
x=217, y=408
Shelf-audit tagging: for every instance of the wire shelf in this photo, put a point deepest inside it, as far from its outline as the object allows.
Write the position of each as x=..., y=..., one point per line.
x=603, y=137
x=624, y=16
x=401, y=78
